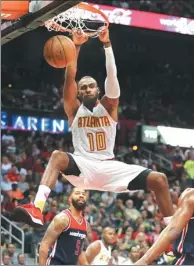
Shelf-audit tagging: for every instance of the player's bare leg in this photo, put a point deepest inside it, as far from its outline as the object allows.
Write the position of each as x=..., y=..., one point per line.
x=158, y=183
x=32, y=214
x=59, y=161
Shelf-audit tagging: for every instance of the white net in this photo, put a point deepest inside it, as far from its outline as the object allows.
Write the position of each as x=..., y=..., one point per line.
x=77, y=18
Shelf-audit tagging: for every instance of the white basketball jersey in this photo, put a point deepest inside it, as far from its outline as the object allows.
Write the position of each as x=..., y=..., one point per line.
x=103, y=256
x=94, y=133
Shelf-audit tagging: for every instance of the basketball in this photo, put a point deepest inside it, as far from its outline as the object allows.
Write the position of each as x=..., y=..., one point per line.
x=59, y=51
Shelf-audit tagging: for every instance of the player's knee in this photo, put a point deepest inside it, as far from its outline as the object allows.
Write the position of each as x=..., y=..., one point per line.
x=157, y=181
x=60, y=159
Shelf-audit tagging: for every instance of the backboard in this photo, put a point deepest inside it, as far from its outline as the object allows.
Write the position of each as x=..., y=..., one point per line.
x=39, y=12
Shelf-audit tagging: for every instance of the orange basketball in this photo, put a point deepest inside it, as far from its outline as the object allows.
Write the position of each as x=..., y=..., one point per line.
x=59, y=51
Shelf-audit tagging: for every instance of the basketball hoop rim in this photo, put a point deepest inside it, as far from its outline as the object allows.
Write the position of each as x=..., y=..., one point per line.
x=86, y=7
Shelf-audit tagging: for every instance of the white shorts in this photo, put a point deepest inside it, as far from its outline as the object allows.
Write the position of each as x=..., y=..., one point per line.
x=109, y=175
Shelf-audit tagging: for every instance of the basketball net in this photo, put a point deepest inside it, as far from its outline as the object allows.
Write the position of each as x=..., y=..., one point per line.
x=83, y=17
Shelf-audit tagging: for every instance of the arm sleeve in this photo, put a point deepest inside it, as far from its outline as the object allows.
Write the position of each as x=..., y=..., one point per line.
x=112, y=87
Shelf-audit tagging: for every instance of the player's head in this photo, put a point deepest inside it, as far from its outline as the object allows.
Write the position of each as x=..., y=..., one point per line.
x=88, y=91
x=78, y=198
x=109, y=235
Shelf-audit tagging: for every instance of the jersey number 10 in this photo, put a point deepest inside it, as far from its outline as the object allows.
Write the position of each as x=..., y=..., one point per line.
x=97, y=141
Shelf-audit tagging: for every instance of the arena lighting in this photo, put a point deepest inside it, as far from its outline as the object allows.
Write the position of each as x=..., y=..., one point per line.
x=135, y=148
x=172, y=136
x=177, y=136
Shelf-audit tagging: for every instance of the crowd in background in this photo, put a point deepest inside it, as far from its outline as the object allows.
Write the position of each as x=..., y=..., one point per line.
x=175, y=8
x=149, y=101
x=159, y=91
x=135, y=216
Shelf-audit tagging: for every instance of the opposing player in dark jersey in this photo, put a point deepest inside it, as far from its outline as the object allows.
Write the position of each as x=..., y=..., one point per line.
x=180, y=230
x=66, y=233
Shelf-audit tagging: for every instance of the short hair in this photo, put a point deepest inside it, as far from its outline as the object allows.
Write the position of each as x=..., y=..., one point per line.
x=72, y=190
x=86, y=77
x=19, y=255
x=133, y=246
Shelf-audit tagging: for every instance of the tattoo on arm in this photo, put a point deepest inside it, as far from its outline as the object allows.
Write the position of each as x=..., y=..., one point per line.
x=56, y=227
x=89, y=230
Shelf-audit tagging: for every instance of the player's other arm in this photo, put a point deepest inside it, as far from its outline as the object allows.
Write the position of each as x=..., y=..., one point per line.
x=179, y=220
x=92, y=251
x=56, y=227
x=82, y=260
x=71, y=103
x=112, y=87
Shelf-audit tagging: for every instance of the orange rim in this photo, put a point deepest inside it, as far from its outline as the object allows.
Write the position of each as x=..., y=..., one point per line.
x=90, y=8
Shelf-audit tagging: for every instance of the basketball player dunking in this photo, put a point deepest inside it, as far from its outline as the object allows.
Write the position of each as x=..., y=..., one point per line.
x=181, y=230
x=99, y=252
x=93, y=123
x=66, y=234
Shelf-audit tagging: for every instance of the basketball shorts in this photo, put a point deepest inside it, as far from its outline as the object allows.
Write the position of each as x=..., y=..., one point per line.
x=107, y=175
x=184, y=260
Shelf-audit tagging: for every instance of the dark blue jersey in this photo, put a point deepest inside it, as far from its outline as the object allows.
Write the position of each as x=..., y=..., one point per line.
x=68, y=246
x=184, y=244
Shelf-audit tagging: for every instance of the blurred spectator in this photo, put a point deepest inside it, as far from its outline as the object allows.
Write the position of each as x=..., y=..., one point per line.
x=127, y=242
x=117, y=213
x=108, y=198
x=8, y=137
x=22, y=184
x=116, y=258
x=59, y=186
x=141, y=230
x=189, y=170
x=6, y=165
x=52, y=212
x=5, y=184
x=35, y=150
x=130, y=212
x=3, y=242
x=10, y=251
x=16, y=192
x=25, y=161
x=21, y=259
x=38, y=167
x=13, y=174
x=5, y=259
x=156, y=233
x=134, y=255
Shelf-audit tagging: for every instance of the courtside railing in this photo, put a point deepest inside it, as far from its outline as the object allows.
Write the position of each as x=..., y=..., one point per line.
x=9, y=231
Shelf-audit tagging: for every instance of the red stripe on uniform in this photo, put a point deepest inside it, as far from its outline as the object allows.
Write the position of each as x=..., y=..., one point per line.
x=180, y=246
x=180, y=260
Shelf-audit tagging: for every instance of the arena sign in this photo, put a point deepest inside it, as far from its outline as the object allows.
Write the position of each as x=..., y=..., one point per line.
x=147, y=20
x=172, y=136
x=33, y=123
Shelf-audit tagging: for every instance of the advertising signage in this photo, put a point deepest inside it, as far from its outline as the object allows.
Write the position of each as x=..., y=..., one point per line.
x=33, y=123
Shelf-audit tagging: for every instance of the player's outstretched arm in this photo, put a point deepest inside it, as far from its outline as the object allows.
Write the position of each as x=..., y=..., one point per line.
x=56, y=227
x=112, y=87
x=71, y=103
x=92, y=251
x=179, y=220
